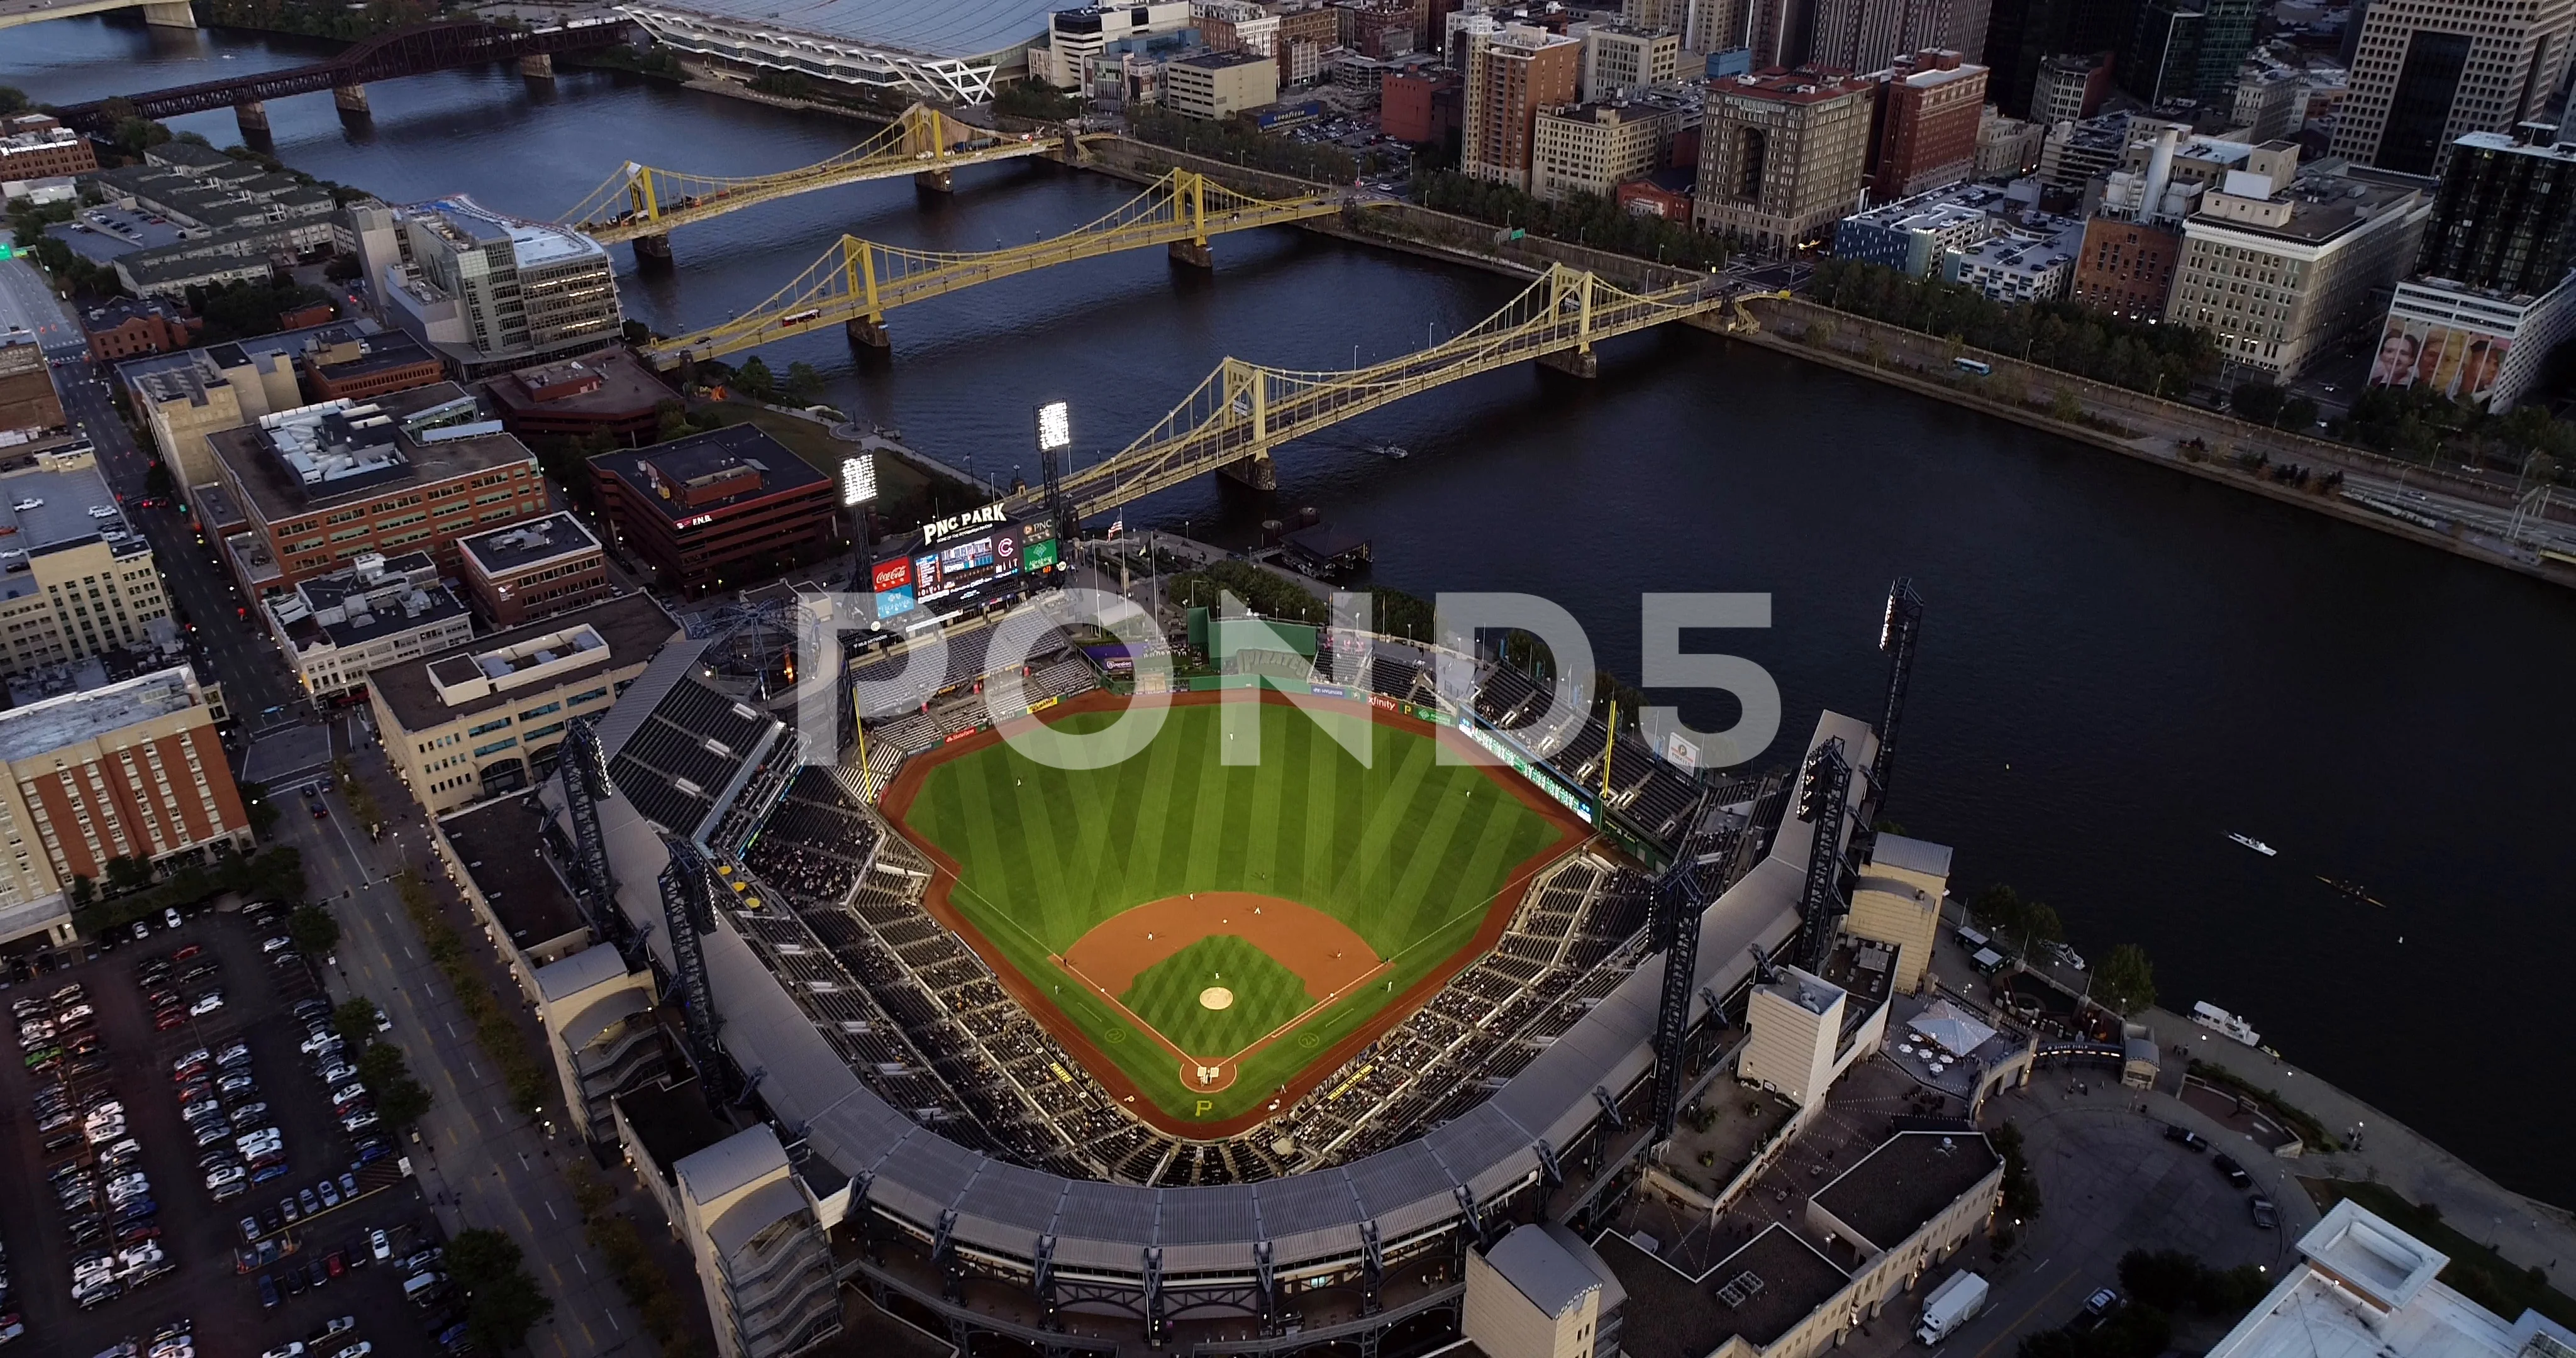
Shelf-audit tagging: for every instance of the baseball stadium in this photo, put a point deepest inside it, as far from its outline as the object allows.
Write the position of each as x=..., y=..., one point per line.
x=1245, y=1043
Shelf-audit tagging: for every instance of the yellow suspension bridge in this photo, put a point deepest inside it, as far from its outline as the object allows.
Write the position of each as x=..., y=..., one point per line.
x=643, y=204
x=857, y=282
x=1244, y=410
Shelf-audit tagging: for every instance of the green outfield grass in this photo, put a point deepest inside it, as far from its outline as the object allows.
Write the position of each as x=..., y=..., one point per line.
x=1266, y=995
x=1409, y=852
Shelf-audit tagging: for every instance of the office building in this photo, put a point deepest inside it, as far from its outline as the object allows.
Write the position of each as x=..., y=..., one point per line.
x=2126, y=268
x=1077, y=37
x=2024, y=34
x=1782, y=154
x=28, y=402
x=380, y=611
x=124, y=327
x=2270, y=103
x=488, y=293
x=609, y=392
x=2071, y=87
x=130, y=770
x=2007, y=148
x=343, y=364
x=1511, y=74
x=2361, y=1285
x=1924, y=131
x=76, y=579
x=323, y=485
x=1306, y=33
x=1381, y=31
x=487, y=717
x=2027, y=259
x=1236, y=26
x=2492, y=295
x=2282, y=269
x=1593, y=148
x=2427, y=72
x=1869, y=35
x=2188, y=50
x=533, y=569
x=1219, y=84
x=717, y=509
x=1620, y=59
x=1915, y=236
x=37, y=146
x=187, y=396
x=2072, y=155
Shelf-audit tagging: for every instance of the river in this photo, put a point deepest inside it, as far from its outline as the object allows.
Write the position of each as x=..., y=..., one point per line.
x=2120, y=665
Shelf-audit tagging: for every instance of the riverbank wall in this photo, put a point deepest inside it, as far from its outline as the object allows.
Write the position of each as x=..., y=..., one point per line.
x=2185, y=438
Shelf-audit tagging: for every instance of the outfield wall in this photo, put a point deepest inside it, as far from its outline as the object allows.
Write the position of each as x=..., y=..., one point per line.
x=880, y=1164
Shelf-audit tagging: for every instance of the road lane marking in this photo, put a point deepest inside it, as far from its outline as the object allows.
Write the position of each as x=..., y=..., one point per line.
x=2033, y=1309
x=551, y=1216
x=576, y=1260
x=612, y=1322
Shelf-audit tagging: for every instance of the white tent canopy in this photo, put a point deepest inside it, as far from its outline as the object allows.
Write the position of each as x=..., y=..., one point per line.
x=1951, y=1028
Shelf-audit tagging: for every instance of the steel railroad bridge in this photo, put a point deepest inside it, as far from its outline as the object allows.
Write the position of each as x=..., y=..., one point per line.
x=1245, y=410
x=643, y=204
x=857, y=282
x=417, y=50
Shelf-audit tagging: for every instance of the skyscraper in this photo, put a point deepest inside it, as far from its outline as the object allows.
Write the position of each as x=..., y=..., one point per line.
x=1782, y=154
x=2503, y=220
x=2187, y=49
x=2428, y=72
x=2021, y=34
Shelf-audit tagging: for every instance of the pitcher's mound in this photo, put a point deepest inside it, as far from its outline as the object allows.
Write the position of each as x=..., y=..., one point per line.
x=1216, y=997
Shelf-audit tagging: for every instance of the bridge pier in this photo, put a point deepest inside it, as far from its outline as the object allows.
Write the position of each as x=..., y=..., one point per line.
x=1194, y=253
x=351, y=100
x=1573, y=362
x=253, y=118
x=869, y=333
x=653, y=249
x=538, y=66
x=170, y=14
x=934, y=181
x=1256, y=472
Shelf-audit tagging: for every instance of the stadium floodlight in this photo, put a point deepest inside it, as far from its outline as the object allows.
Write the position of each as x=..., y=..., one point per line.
x=858, y=479
x=1055, y=427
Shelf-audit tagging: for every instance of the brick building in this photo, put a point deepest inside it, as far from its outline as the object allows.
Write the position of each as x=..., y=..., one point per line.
x=1420, y=107
x=1925, y=132
x=1511, y=75
x=132, y=770
x=609, y=392
x=27, y=396
x=345, y=365
x=126, y=328
x=533, y=568
x=329, y=483
x=716, y=509
x=1782, y=154
x=36, y=146
x=2127, y=268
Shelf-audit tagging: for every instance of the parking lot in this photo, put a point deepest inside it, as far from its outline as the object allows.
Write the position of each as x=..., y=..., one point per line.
x=323, y=1264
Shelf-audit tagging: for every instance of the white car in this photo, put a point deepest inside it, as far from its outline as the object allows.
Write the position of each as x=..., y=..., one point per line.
x=169, y=918
x=348, y=1092
x=339, y=1071
x=225, y=1174
x=273, y=944
x=380, y=1245
x=319, y=1042
x=206, y=1004
x=291, y=1349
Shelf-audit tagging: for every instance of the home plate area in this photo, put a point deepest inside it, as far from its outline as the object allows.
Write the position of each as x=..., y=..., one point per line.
x=1216, y=974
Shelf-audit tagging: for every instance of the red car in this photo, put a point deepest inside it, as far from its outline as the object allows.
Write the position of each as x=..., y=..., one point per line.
x=186, y=952
x=168, y=1019
x=338, y=1263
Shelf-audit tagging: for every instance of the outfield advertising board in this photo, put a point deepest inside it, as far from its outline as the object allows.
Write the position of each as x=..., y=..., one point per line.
x=1530, y=770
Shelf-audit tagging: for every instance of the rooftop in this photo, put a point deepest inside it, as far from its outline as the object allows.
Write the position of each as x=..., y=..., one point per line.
x=467, y=222
x=1761, y=1291
x=1218, y=61
x=368, y=600
x=968, y=29
x=707, y=472
x=111, y=314
x=502, y=850
x=1906, y=1182
x=527, y=542
x=2551, y=149
x=232, y=353
x=2313, y=211
x=46, y=511
x=2364, y=1288
x=417, y=692
x=1552, y=1267
x=342, y=354
x=50, y=725
x=610, y=383
x=1805, y=85
x=671, y=1120
x=298, y=461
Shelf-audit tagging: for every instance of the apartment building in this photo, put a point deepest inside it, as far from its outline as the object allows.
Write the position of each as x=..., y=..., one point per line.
x=1512, y=73
x=76, y=579
x=487, y=717
x=130, y=770
x=1925, y=132
x=1782, y=154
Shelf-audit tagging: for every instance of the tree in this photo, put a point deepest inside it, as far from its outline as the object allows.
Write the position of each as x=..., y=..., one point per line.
x=2259, y=402
x=754, y=377
x=128, y=874
x=84, y=891
x=342, y=268
x=255, y=800
x=2041, y=925
x=355, y=1021
x=1999, y=907
x=2125, y=980
x=313, y=930
x=635, y=332
x=2299, y=413
x=803, y=383
x=12, y=99
x=502, y=1302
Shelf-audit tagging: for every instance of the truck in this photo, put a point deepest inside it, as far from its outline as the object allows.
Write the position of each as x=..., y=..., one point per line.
x=1950, y=1306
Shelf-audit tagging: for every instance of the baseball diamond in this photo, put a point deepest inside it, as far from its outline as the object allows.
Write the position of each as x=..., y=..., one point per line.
x=1210, y=939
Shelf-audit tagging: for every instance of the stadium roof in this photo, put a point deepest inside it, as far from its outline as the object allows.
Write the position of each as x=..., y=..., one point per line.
x=957, y=30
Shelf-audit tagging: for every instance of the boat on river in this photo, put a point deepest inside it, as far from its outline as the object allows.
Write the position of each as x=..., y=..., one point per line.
x=2256, y=845
x=2225, y=1024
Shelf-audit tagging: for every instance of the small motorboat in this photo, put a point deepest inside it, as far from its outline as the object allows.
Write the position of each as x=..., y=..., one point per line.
x=2224, y=1024
x=1390, y=451
x=2256, y=845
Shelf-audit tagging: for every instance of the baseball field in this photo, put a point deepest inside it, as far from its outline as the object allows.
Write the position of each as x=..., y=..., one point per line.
x=1211, y=938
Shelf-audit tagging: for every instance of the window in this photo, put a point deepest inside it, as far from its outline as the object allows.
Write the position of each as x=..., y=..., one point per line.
x=505, y=742
x=487, y=728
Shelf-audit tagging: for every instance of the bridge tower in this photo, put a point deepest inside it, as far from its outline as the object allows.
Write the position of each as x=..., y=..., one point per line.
x=859, y=280
x=926, y=129
x=1247, y=397
x=351, y=100
x=1189, y=203
x=1570, y=294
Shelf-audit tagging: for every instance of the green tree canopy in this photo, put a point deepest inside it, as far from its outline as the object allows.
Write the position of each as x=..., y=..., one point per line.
x=313, y=929
x=502, y=1303
x=2125, y=980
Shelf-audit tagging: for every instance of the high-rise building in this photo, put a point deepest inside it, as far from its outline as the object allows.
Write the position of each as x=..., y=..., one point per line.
x=2281, y=269
x=1619, y=59
x=2428, y=72
x=1866, y=35
x=2071, y=87
x=1512, y=73
x=1925, y=133
x=2023, y=34
x=2188, y=49
x=2270, y=102
x=1592, y=148
x=488, y=292
x=1782, y=154
x=75, y=579
x=2493, y=293
x=130, y=770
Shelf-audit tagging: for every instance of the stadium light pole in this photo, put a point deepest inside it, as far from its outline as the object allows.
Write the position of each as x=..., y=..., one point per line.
x=1055, y=436
x=858, y=489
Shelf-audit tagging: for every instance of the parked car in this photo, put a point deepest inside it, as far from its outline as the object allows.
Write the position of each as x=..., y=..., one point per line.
x=2266, y=1215
x=2233, y=1172
x=2190, y=1140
